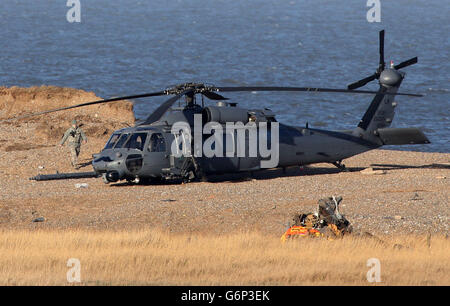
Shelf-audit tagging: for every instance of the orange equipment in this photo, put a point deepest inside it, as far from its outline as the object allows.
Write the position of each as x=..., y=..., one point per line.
x=300, y=231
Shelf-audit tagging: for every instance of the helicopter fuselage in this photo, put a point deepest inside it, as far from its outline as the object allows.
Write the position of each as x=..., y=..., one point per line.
x=146, y=152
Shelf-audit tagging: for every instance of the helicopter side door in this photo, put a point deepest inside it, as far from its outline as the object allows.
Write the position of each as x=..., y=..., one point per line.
x=178, y=149
x=248, y=162
x=156, y=155
x=229, y=161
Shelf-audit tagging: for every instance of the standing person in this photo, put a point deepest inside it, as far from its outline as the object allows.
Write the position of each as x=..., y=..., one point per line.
x=74, y=135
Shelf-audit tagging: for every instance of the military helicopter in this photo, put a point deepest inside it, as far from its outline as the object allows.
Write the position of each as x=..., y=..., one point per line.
x=150, y=150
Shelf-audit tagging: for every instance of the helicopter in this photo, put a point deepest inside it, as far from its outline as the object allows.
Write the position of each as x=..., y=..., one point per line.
x=153, y=151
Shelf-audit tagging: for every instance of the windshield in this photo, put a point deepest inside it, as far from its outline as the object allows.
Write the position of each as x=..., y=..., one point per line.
x=122, y=140
x=112, y=141
x=136, y=141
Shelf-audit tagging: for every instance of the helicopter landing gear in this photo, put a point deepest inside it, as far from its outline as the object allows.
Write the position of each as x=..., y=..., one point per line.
x=105, y=180
x=338, y=164
x=191, y=170
x=134, y=181
x=110, y=177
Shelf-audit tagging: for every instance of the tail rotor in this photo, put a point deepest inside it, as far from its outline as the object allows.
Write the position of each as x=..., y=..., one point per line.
x=381, y=66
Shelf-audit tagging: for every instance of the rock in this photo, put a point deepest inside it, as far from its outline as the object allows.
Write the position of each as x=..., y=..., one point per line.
x=398, y=217
x=41, y=167
x=441, y=177
x=371, y=171
x=416, y=197
x=40, y=219
x=82, y=185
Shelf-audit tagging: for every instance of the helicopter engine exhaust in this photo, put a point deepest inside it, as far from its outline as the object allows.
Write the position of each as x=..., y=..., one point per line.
x=224, y=114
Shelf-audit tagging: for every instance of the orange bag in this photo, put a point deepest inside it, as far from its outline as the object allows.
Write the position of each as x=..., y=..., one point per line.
x=299, y=231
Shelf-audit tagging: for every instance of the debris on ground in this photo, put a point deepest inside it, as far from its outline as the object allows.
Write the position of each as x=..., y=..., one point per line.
x=371, y=171
x=81, y=185
x=326, y=222
x=416, y=197
x=329, y=223
x=40, y=219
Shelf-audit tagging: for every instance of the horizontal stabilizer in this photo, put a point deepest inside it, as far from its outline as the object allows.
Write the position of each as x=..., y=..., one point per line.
x=402, y=136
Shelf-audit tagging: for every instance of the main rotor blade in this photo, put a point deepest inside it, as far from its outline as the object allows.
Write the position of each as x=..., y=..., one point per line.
x=362, y=82
x=409, y=62
x=162, y=109
x=213, y=96
x=307, y=89
x=382, y=63
x=153, y=94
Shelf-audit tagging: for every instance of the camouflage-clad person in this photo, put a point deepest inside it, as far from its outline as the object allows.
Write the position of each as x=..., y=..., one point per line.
x=74, y=135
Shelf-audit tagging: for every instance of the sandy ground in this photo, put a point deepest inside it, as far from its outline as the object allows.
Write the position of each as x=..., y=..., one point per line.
x=412, y=197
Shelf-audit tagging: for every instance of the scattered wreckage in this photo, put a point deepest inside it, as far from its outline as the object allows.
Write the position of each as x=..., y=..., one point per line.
x=326, y=222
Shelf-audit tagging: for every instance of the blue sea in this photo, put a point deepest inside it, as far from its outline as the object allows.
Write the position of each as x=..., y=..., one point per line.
x=125, y=47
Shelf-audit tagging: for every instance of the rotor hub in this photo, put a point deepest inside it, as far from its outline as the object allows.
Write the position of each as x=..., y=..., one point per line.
x=196, y=88
x=390, y=77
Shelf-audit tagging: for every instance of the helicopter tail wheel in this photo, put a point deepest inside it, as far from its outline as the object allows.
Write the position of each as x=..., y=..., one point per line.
x=340, y=166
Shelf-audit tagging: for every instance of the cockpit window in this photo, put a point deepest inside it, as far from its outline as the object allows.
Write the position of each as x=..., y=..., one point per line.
x=157, y=143
x=112, y=141
x=121, y=140
x=136, y=141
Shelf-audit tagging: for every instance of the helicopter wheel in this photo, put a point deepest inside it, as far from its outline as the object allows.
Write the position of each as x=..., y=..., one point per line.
x=340, y=166
x=191, y=171
x=188, y=176
x=145, y=181
x=134, y=181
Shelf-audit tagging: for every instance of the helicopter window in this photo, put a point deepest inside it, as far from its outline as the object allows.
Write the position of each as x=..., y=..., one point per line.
x=121, y=140
x=136, y=141
x=112, y=141
x=157, y=143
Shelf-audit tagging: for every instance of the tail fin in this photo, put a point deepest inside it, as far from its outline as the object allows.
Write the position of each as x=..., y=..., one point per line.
x=382, y=109
x=381, y=112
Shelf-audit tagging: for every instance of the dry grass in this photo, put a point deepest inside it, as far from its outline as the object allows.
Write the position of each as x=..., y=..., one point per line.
x=151, y=257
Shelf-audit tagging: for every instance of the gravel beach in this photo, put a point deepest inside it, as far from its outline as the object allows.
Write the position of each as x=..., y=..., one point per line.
x=410, y=197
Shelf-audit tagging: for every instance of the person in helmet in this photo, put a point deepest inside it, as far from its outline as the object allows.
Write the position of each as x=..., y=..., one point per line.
x=74, y=135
